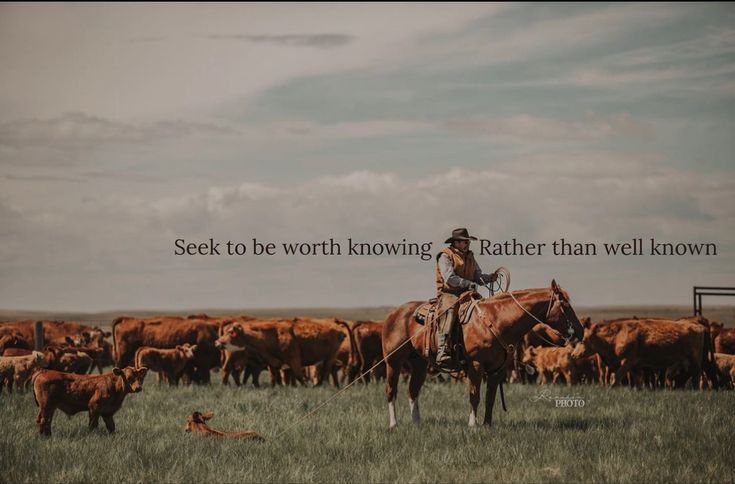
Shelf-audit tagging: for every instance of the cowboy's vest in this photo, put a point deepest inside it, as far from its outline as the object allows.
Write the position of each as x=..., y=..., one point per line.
x=464, y=266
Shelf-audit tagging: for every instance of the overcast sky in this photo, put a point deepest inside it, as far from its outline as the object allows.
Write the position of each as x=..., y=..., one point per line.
x=124, y=127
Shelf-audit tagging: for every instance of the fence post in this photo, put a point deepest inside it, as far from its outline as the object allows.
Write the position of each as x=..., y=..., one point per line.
x=694, y=297
x=39, y=336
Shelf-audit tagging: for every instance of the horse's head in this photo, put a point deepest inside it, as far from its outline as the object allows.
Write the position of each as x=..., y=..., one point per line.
x=561, y=315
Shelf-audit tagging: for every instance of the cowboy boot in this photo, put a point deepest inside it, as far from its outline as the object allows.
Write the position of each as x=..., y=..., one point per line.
x=442, y=355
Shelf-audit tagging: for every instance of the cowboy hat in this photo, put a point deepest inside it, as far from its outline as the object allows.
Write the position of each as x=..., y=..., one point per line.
x=459, y=234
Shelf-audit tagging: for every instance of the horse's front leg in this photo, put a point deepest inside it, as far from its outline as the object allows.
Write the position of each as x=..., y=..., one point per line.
x=490, y=391
x=474, y=378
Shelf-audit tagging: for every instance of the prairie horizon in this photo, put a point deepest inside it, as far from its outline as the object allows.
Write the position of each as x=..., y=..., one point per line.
x=723, y=313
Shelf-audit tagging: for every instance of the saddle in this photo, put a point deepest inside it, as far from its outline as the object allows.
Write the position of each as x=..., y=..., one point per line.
x=428, y=314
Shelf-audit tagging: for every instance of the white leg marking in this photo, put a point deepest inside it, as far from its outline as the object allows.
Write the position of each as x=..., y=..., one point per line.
x=415, y=414
x=473, y=418
x=392, y=413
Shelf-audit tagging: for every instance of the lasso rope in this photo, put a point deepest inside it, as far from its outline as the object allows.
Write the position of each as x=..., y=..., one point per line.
x=303, y=417
x=502, y=271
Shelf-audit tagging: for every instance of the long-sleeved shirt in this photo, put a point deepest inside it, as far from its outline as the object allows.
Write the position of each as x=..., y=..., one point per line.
x=446, y=267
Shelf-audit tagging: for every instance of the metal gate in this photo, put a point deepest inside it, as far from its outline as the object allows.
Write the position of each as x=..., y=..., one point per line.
x=700, y=291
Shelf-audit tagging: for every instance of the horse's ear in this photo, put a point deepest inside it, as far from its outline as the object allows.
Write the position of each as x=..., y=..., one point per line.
x=554, y=285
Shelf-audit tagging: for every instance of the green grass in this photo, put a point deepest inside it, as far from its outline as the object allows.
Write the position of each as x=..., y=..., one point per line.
x=620, y=435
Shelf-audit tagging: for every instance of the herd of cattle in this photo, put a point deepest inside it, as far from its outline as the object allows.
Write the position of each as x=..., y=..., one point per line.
x=645, y=352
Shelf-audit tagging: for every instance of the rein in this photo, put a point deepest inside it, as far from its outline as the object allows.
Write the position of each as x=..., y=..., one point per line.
x=570, y=329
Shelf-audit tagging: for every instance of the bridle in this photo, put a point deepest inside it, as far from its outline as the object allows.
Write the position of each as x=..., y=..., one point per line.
x=553, y=298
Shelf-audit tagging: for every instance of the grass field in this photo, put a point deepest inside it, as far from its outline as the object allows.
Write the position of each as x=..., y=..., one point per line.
x=620, y=435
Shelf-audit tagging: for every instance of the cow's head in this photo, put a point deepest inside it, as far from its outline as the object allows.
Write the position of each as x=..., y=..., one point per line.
x=96, y=337
x=231, y=338
x=561, y=315
x=196, y=419
x=584, y=348
x=53, y=354
x=187, y=350
x=529, y=354
x=132, y=379
x=80, y=339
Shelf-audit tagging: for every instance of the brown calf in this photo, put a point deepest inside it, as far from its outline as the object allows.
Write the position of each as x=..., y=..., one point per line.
x=68, y=360
x=17, y=369
x=726, y=369
x=553, y=364
x=169, y=364
x=724, y=338
x=100, y=395
x=196, y=422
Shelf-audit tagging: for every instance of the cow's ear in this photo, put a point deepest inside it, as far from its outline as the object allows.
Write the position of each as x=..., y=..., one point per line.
x=207, y=416
x=117, y=371
x=68, y=340
x=85, y=335
x=142, y=371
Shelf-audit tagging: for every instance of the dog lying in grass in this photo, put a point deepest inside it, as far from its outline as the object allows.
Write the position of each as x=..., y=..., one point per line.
x=197, y=422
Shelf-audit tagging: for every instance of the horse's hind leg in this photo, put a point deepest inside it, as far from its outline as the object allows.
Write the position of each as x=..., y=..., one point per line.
x=391, y=389
x=418, y=375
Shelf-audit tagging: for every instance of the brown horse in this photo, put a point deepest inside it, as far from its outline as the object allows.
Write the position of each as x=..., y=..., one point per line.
x=497, y=323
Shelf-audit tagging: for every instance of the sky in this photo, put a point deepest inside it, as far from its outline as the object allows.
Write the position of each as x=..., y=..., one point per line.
x=124, y=127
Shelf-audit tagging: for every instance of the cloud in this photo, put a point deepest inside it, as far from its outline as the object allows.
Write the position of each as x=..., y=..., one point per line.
x=43, y=178
x=319, y=41
x=80, y=130
x=632, y=192
x=526, y=128
x=147, y=38
x=518, y=35
x=353, y=130
x=257, y=47
x=65, y=138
